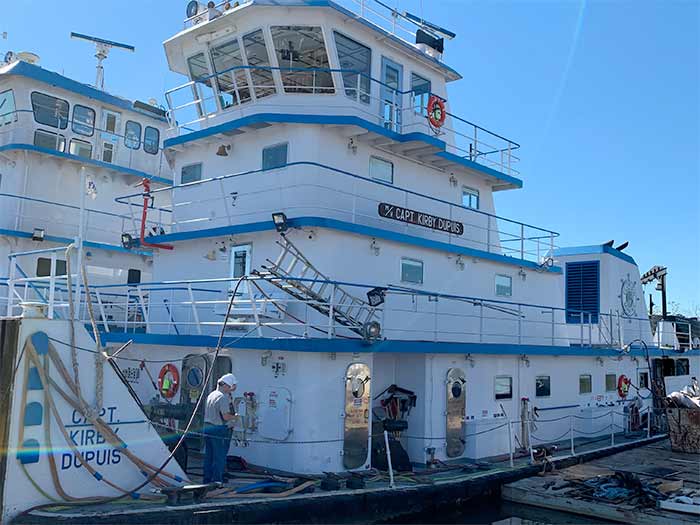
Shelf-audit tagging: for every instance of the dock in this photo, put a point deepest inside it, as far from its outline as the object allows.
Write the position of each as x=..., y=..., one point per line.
x=577, y=489
x=423, y=491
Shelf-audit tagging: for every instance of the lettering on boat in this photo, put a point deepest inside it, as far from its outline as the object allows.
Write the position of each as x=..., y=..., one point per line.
x=398, y=213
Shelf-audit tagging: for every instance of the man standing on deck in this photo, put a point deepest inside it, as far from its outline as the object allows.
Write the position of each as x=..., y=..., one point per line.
x=217, y=413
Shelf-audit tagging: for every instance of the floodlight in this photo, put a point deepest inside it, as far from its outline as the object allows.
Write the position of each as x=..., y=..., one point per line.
x=127, y=241
x=38, y=234
x=375, y=296
x=371, y=331
x=280, y=220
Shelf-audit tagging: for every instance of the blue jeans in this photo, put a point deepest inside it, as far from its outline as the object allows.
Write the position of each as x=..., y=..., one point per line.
x=216, y=444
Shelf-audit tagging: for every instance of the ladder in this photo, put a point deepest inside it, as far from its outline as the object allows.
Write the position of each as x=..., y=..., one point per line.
x=294, y=274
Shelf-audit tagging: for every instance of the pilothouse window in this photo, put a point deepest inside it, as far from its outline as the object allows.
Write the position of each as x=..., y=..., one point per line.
x=132, y=135
x=259, y=63
x=50, y=111
x=83, y=120
x=7, y=107
x=203, y=92
x=48, y=140
x=356, y=62
x=231, y=77
x=301, y=54
x=420, y=88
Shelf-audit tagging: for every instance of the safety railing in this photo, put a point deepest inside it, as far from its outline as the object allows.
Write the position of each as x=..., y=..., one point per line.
x=245, y=89
x=311, y=189
x=83, y=140
x=199, y=307
x=57, y=219
x=373, y=11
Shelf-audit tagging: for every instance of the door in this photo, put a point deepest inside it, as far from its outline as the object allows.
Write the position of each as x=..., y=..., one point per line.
x=456, y=411
x=356, y=429
x=111, y=129
x=392, y=75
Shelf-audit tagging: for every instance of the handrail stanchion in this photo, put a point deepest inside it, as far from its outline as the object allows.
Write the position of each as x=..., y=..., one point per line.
x=388, y=459
x=195, y=314
x=649, y=412
x=142, y=304
x=580, y=323
x=612, y=427
x=255, y=308
x=553, y=325
x=11, y=286
x=510, y=443
x=571, y=433
x=52, y=285
x=331, y=308
x=522, y=241
x=101, y=307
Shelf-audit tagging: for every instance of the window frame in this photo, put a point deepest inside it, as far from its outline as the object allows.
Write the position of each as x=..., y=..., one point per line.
x=472, y=192
x=67, y=119
x=47, y=260
x=92, y=127
x=410, y=261
x=498, y=396
x=364, y=98
x=679, y=361
x=304, y=90
x=126, y=134
x=420, y=110
x=495, y=285
x=145, y=131
x=62, y=139
x=277, y=86
x=9, y=117
x=643, y=384
x=590, y=384
x=381, y=159
x=193, y=164
x=276, y=167
x=614, y=385
x=549, y=385
x=81, y=142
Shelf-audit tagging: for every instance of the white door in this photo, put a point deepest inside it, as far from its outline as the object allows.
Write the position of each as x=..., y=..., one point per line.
x=110, y=135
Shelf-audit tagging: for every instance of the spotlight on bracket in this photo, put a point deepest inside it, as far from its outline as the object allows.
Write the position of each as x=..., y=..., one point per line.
x=38, y=234
x=127, y=241
x=280, y=220
x=371, y=331
x=376, y=296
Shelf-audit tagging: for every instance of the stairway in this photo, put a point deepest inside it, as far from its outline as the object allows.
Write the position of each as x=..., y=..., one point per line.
x=293, y=273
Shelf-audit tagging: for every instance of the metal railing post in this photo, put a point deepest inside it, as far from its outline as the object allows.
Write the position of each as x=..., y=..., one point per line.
x=488, y=233
x=52, y=285
x=195, y=314
x=510, y=443
x=255, y=309
x=388, y=459
x=101, y=306
x=11, y=286
x=612, y=428
x=553, y=325
x=142, y=303
x=481, y=321
x=520, y=323
x=571, y=434
x=649, y=413
x=580, y=315
x=522, y=241
x=529, y=441
x=331, y=311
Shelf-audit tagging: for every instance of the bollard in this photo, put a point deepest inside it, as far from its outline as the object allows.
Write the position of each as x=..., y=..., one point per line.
x=388, y=460
x=571, y=434
x=612, y=428
x=510, y=443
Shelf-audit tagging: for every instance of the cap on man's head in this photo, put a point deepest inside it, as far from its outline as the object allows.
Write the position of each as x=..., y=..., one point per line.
x=228, y=379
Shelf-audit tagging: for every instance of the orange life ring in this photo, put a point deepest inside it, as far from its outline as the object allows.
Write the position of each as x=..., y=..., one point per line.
x=436, y=111
x=168, y=381
x=623, y=386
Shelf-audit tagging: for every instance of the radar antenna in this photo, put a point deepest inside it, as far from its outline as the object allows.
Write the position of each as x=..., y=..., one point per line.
x=102, y=49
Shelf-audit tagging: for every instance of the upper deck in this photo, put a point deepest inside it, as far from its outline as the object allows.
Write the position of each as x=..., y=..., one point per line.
x=263, y=63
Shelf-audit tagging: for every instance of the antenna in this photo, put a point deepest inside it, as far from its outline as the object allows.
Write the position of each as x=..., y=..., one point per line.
x=102, y=49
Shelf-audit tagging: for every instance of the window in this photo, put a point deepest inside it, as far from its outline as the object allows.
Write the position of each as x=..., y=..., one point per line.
x=411, y=271
x=231, y=75
x=191, y=173
x=151, y=140
x=274, y=157
x=380, y=169
x=7, y=108
x=240, y=265
x=107, y=151
x=420, y=89
x=48, y=140
x=300, y=48
x=610, y=382
x=504, y=285
x=470, y=198
x=80, y=148
x=43, y=267
x=643, y=379
x=132, y=135
x=199, y=72
x=356, y=60
x=134, y=276
x=582, y=291
x=585, y=384
x=83, y=120
x=256, y=54
x=50, y=111
x=504, y=387
x=682, y=367
x=542, y=386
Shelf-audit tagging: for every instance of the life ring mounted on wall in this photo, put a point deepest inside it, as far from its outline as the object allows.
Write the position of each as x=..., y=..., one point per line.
x=168, y=381
x=623, y=386
x=436, y=112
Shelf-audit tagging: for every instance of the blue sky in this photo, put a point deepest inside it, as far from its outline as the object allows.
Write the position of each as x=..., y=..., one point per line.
x=603, y=96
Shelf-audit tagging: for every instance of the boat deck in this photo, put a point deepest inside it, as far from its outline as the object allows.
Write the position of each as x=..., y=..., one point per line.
x=448, y=486
x=577, y=490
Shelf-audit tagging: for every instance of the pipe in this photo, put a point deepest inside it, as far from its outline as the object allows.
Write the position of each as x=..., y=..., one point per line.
x=146, y=196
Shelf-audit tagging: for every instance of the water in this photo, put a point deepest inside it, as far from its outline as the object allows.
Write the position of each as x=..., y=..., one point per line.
x=494, y=511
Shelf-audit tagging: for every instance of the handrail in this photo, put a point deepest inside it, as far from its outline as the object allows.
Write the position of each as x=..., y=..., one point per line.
x=121, y=199
x=63, y=205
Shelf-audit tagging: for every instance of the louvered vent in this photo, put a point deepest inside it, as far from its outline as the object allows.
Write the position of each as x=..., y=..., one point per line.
x=582, y=291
